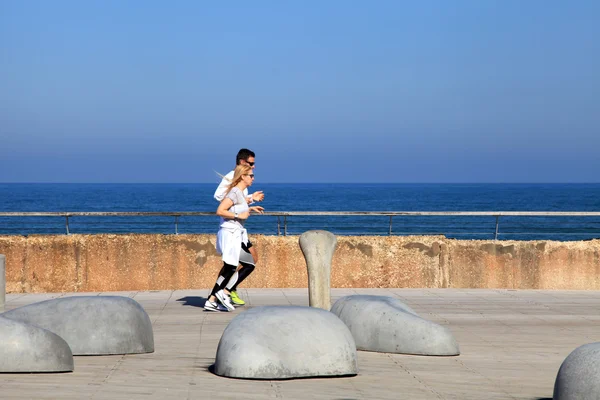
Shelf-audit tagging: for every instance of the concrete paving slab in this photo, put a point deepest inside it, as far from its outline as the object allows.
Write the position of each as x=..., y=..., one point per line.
x=512, y=344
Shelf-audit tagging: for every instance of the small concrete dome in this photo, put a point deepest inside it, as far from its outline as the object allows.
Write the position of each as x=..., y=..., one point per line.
x=386, y=325
x=283, y=342
x=92, y=325
x=27, y=348
x=579, y=375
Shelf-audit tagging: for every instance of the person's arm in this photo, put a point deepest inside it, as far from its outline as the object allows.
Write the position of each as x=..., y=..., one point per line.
x=254, y=197
x=223, y=210
x=257, y=209
x=222, y=188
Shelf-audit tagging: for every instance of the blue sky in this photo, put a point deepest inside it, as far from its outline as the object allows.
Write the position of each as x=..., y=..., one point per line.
x=333, y=91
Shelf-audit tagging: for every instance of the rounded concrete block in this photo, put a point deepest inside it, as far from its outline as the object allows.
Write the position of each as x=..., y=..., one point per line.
x=386, y=325
x=283, y=342
x=318, y=248
x=579, y=375
x=27, y=348
x=92, y=325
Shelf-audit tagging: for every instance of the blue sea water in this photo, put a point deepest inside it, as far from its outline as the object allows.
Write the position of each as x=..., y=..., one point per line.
x=311, y=197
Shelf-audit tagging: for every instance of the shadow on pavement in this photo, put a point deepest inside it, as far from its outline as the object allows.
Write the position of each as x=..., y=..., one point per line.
x=194, y=301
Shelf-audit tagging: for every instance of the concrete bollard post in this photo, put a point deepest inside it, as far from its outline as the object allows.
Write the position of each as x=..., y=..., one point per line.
x=318, y=248
x=2, y=281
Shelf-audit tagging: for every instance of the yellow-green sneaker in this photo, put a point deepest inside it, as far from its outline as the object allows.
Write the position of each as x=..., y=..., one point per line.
x=236, y=300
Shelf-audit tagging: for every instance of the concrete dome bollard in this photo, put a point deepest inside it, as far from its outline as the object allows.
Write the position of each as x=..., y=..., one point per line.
x=92, y=325
x=318, y=248
x=285, y=342
x=386, y=325
x=578, y=377
x=27, y=348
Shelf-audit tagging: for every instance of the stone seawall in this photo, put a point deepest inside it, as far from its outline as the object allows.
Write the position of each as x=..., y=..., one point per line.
x=81, y=263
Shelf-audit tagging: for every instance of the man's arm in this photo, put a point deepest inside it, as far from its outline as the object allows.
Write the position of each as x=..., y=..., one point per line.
x=222, y=188
x=254, y=197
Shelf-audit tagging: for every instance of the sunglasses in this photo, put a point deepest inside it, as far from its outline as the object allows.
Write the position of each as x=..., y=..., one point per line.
x=250, y=175
x=250, y=163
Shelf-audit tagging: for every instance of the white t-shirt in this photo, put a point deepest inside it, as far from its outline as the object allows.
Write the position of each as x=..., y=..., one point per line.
x=239, y=206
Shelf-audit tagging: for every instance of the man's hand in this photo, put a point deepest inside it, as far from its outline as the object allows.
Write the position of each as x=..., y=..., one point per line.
x=257, y=209
x=258, y=196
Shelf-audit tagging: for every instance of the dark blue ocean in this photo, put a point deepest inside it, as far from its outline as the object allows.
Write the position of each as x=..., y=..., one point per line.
x=312, y=197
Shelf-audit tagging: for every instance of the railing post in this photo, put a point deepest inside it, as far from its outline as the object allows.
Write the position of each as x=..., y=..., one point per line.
x=67, y=223
x=390, y=231
x=278, y=226
x=285, y=225
x=496, y=233
x=176, y=223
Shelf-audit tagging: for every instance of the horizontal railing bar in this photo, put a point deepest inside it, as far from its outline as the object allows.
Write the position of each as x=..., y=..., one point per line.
x=549, y=233
x=443, y=233
x=315, y=213
x=103, y=214
x=446, y=213
x=499, y=233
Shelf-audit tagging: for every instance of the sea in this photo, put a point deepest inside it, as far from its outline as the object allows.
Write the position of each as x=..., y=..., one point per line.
x=63, y=197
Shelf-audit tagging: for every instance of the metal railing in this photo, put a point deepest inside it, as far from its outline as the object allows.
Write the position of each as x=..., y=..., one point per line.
x=284, y=215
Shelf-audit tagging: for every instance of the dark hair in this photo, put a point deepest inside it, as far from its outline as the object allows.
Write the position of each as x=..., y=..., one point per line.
x=243, y=154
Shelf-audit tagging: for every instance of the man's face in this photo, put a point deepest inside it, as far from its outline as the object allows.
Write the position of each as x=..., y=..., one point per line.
x=249, y=161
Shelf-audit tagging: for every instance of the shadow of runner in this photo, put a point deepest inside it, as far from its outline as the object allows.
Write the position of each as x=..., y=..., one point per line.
x=194, y=301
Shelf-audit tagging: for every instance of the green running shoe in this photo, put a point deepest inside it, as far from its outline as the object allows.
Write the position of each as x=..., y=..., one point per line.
x=236, y=300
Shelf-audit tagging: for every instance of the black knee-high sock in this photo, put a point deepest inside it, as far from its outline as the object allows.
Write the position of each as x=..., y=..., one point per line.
x=226, y=272
x=243, y=274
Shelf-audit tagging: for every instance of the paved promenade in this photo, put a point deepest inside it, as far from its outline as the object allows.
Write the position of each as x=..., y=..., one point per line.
x=512, y=344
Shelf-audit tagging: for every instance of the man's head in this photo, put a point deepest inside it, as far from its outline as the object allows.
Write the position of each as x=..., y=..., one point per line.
x=245, y=157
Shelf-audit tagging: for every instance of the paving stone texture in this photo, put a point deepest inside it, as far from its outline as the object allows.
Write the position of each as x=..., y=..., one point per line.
x=512, y=345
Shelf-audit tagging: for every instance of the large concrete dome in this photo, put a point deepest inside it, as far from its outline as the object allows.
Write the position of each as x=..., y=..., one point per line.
x=283, y=342
x=27, y=348
x=385, y=324
x=92, y=325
